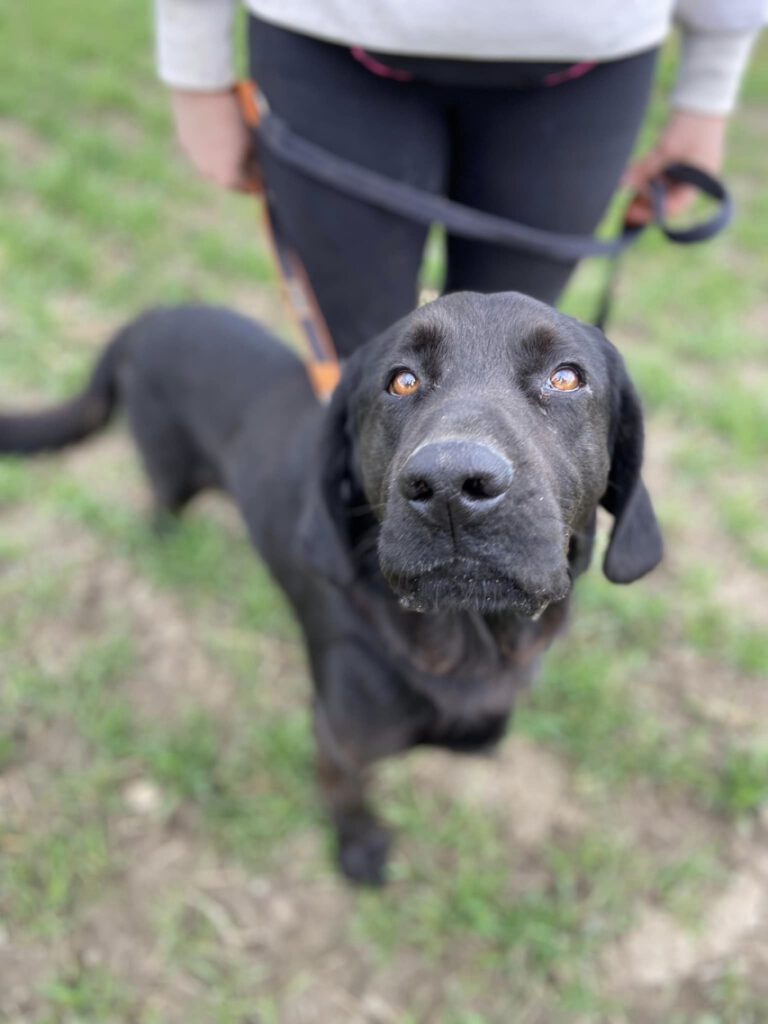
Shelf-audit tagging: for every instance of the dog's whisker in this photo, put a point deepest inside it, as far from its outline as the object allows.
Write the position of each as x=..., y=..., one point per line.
x=364, y=546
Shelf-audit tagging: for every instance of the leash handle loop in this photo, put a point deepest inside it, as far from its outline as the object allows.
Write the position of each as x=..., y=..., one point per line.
x=676, y=173
x=686, y=174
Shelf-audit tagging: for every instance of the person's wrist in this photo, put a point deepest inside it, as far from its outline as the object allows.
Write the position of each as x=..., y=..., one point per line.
x=212, y=134
x=705, y=118
x=694, y=136
x=186, y=95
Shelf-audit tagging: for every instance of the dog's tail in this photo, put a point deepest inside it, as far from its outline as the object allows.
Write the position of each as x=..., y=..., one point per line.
x=26, y=433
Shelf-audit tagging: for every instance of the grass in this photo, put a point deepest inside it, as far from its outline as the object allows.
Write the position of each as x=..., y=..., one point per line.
x=87, y=996
x=53, y=868
x=100, y=218
x=251, y=792
x=195, y=558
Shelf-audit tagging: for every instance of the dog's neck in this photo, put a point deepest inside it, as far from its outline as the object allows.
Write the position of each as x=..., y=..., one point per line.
x=468, y=666
x=456, y=643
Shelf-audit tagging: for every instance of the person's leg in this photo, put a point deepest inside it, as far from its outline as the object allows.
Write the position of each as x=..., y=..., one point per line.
x=550, y=157
x=363, y=263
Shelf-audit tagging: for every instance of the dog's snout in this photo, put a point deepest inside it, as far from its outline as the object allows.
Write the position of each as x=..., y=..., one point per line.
x=465, y=478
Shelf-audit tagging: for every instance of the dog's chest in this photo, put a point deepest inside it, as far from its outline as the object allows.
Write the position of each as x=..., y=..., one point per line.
x=467, y=666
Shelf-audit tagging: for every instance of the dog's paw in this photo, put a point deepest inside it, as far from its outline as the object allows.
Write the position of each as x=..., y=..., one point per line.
x=363, y=854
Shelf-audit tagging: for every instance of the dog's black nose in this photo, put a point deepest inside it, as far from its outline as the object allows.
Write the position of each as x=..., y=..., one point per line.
x=465, y=478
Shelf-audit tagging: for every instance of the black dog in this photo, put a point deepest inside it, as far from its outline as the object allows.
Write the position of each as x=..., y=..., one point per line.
x=427, y=527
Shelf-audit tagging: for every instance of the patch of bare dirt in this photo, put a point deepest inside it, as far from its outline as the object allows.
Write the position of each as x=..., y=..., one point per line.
x=525, y=785
x=662, y=823
x=711, y=692
x=660, y=953
x=105, y=596
x=25, y=967
x=25, y=146
x=662, y=965
x=682, y=681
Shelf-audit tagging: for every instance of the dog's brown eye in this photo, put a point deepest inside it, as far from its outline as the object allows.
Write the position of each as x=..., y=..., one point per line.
x=565, y=378
x=403, y=383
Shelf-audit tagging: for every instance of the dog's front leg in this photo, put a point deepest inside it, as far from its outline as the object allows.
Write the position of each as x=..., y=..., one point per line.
x=362, y=842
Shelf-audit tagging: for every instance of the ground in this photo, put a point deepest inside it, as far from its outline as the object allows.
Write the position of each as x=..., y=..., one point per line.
x=161, y=856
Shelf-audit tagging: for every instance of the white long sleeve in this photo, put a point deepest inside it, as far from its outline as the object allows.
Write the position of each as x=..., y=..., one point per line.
x=195, y=37
x=711, y=68
x=195, y=43
x=717, y=38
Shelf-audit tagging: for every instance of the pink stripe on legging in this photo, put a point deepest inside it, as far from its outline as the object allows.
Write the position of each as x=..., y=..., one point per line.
x=574, y=71
x=377, y=68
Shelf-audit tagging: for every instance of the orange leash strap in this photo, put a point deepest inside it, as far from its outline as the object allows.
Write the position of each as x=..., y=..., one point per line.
x=322, y=363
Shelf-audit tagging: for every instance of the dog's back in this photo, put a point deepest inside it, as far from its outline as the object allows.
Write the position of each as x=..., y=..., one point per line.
x=218, y=372
x=194, y=381
x=205, y=362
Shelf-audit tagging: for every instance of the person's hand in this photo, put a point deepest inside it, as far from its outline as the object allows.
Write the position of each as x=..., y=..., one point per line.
x=213, y=135
x=690, y=138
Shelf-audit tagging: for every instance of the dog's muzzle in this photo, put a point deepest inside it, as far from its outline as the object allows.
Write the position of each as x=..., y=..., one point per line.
x=464, y=531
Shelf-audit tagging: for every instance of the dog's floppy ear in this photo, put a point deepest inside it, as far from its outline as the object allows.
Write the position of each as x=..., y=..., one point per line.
x=324, y=528
x=635, y=546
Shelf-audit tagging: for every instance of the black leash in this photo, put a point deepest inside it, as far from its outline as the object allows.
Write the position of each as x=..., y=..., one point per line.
x=426, y=208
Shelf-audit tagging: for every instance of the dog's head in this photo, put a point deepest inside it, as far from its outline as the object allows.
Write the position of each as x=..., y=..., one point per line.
x=482, y=432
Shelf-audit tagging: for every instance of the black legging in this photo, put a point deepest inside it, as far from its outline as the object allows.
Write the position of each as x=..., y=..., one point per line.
x=546, y=155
